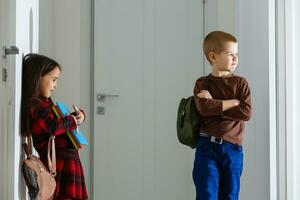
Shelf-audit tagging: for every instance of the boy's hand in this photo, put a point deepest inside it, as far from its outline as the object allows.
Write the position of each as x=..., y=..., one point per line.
x=204, y=94
x=227, y=104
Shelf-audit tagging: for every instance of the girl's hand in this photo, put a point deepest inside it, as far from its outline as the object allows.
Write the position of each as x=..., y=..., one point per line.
x=79, y=117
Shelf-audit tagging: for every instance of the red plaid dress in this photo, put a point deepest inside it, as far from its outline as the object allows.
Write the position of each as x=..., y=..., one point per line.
x=70, y=176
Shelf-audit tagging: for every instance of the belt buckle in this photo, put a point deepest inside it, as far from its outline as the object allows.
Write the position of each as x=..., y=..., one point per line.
x=216, y=140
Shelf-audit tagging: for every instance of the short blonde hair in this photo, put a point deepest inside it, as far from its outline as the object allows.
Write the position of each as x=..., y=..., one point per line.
x=215, y=41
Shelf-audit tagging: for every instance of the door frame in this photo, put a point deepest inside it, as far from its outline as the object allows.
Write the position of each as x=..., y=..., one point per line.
x=287, y=97
x=21, y=30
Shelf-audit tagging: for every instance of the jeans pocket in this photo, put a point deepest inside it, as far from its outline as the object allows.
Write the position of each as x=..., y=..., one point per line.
x=202, y=144
x=237, y=147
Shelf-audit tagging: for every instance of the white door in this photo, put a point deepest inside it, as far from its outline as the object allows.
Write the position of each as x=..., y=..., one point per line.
x=147, y=55
x=3, y=127
x=7, y=32
x=18, y=27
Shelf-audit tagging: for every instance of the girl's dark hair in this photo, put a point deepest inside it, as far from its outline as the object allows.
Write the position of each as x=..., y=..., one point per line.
x=35, y=66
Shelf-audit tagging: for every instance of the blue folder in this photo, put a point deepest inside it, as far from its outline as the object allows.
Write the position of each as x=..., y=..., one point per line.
x=78, y=134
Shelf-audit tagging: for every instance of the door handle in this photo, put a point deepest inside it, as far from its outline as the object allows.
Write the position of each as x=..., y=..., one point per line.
x=10, y=50
x=102, y=96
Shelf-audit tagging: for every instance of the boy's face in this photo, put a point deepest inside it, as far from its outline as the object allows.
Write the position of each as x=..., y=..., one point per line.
x=227, y=60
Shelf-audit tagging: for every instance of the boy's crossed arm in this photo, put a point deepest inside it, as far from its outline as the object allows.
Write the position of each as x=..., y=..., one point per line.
x=232, y=109
x=226, y=104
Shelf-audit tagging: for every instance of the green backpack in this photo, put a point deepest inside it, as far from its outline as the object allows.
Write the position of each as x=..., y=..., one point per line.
x=188, y=122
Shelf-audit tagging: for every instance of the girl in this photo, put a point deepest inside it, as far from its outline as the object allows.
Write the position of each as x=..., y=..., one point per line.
x=39, y=80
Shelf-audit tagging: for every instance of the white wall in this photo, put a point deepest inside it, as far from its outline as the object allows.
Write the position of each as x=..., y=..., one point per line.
x=46, y=30
x=241, y=19
x=255, y=64
x=218, y=15
x=226, y=15
x=65, y=36
x=67, y=41
x=253, y=25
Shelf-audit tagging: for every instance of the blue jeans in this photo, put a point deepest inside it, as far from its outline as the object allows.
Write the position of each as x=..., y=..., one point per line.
x=217, y=170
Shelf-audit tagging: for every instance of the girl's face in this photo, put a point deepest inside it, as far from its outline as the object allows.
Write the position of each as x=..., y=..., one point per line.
x=48, y=82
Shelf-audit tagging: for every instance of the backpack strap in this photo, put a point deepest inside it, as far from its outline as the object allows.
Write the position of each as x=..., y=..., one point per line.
x=51, y=154
x=27, y=145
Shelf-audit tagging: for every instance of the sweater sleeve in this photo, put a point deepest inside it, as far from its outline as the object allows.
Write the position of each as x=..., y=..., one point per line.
x=45, y=121
x=206, y=107
x=243, y=111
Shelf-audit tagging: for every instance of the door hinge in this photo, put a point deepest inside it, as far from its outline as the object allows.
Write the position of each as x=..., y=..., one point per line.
x=4, y=74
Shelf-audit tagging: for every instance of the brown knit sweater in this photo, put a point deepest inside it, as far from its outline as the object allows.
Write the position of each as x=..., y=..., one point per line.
x=228, y=124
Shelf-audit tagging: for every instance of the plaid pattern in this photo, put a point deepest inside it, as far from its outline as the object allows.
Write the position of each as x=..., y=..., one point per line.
x=70, y=176
x=44, y=123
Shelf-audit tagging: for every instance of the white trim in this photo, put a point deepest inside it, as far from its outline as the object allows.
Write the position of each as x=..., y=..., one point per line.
x=293, y=95
x=289, y=98
x=286, y=100
x=292, y=99
x=19, y=35
x=296, y=99
x=272, y=100
x=281, y=171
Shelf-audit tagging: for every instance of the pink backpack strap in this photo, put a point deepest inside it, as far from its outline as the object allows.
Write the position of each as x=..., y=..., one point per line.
x=51, y=155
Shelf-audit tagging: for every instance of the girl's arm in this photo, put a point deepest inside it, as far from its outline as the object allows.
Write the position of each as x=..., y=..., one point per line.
x=44, y=120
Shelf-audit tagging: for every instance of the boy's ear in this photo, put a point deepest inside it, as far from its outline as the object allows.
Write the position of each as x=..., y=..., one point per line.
x=212, y=56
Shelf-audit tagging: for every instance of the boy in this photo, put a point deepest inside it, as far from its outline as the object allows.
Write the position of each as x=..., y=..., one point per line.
x=224, y=102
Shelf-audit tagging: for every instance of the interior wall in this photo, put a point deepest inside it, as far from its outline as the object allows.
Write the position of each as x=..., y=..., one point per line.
x=226, y=15
x=65, y=36
x=46, y=30
x=58, y=36
x=219, y=15
x=255, y=48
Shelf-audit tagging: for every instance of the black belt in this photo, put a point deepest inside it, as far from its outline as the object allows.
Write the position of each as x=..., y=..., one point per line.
x=213, y=138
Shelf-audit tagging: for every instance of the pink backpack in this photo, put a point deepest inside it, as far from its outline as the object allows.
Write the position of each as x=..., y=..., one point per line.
x=39, y=181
